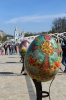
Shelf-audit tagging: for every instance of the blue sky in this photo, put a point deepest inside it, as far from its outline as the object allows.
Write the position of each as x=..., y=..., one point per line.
x=30, y=15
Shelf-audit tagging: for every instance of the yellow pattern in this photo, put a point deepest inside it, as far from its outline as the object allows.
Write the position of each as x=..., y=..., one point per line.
x=46, y=47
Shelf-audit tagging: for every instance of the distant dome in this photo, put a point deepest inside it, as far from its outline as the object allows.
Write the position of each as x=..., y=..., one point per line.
x=23, y=32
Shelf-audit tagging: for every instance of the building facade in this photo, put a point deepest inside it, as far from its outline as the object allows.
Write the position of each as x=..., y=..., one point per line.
x=18, y=35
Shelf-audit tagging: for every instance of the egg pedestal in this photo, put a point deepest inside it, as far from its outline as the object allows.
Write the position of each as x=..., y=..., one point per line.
x=42, y=61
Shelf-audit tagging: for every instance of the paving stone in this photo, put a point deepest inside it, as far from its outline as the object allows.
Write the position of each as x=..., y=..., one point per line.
x=15, y=86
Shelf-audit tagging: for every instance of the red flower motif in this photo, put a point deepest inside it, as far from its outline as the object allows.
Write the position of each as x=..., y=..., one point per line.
x=47, y=36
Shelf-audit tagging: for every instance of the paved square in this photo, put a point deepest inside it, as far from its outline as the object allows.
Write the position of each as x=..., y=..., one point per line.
x=14, y=86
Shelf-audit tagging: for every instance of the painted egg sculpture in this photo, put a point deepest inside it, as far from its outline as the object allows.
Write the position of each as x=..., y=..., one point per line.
x=42, y=59
x=23, y=47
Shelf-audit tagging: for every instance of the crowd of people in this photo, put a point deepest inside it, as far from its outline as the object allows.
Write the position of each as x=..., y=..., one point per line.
x=9, y=48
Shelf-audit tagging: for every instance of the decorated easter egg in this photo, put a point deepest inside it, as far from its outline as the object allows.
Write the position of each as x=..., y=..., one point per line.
x=42, y=59
x=23, y=47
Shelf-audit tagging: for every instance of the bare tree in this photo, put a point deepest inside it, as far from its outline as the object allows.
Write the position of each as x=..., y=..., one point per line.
x=59, y=24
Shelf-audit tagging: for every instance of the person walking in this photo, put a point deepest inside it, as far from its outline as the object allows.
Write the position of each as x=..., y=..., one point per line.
x=63, y=46
x=5, y=47
x=16, y=48
x=9, y=48
x=12, y=48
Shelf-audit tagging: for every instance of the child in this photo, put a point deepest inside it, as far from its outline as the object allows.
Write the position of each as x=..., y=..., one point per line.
x=2, y=50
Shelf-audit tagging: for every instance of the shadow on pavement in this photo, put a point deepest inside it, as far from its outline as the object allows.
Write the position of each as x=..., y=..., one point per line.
x=12, y=57
x=30, y=88
x=10, y=74
x=12, y=62
x=6, y=73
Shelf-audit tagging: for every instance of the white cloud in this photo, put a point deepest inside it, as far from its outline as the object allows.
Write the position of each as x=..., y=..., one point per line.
x=35, y=18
